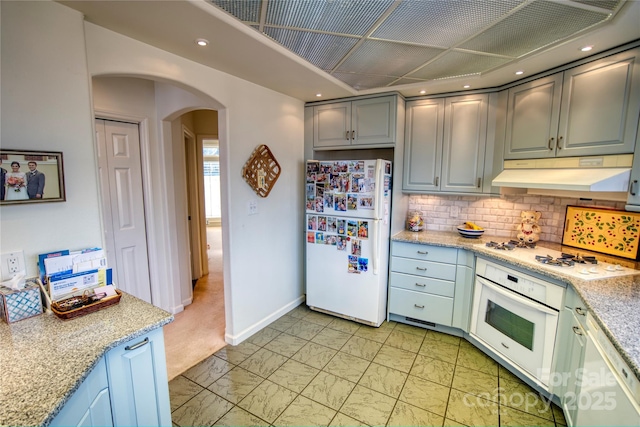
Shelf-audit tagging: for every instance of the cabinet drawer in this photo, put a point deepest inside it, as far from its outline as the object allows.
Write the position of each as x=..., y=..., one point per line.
x=423, y=268
x=429, y=285
x=424, y=252
x=431, y=308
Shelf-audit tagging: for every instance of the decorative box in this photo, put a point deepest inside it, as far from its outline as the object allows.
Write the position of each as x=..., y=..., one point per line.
x=20, y=304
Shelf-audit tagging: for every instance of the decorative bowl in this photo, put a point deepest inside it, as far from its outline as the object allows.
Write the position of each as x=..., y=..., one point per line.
x=469, y=233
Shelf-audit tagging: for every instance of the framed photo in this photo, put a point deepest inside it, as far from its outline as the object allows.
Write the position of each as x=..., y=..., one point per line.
x=31, y=177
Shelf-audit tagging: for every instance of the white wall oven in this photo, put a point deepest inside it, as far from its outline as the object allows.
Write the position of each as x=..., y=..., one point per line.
x=516, y=315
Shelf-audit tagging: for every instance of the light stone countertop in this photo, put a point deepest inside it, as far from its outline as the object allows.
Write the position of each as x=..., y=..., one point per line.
x=43, y=359
x=614, y=303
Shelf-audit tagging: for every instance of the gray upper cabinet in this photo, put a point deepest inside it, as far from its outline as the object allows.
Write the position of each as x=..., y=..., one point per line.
x=445, y=143
x=587, y=110
x=465, y=139
x=423, y=144
x=355, y=124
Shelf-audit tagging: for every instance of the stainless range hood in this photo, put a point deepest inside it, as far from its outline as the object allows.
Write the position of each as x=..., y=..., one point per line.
x=563, y=176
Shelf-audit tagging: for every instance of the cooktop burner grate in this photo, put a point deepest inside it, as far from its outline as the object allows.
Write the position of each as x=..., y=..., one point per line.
x=511, y=245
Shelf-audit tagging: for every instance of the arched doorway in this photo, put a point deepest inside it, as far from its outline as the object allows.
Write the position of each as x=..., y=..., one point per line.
x=162, y=110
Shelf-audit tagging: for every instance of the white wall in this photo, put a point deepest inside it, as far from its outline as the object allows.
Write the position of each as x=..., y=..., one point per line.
x=263, y=253
x=46, y=105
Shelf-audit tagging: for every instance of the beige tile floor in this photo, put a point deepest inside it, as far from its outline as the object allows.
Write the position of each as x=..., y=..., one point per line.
x=310, y=369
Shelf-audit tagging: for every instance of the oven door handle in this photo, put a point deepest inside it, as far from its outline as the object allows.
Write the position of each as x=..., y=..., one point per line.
x=514, y=296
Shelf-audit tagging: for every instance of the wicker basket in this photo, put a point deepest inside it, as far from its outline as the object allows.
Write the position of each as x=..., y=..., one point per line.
x=91, y=308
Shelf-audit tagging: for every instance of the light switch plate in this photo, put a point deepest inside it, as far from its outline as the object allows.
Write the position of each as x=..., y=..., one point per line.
x=253, y=207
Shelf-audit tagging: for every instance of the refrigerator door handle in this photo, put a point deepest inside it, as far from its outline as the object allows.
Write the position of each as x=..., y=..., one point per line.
x=377, y=213
x=376, y=246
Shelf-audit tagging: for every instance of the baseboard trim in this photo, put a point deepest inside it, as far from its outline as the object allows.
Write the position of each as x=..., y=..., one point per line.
x=238, y=338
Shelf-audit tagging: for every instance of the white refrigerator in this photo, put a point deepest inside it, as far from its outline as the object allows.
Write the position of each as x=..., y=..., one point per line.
x=348, y=203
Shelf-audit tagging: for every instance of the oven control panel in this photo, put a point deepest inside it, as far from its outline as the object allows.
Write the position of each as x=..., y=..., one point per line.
x=539, y=290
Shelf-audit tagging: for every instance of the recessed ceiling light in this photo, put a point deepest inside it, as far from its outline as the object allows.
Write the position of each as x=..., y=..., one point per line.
x=202, y=42
x=422, y=92
x=519, y=72
x=318, y=95
x=586, y=48
x=466, y=86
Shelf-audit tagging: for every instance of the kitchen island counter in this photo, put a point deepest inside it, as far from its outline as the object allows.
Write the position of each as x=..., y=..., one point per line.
x=614, y=303
x=45, y=359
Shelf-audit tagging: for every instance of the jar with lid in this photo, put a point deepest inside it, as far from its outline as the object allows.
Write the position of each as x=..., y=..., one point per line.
x=415, y=221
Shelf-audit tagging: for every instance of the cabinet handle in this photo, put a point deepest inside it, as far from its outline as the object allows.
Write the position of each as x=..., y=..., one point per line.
x=347, y=135
x=479, y=181
x=421, y=268
x=504, y=345
x=418, y=306
x=422, y=285
x=551, y=143
x=580, y=311
x=577, y=330
x=559, y=143
x=437, y=180
x=423, y=252
x=632, y=190
x=353, y=134
x=140, y=344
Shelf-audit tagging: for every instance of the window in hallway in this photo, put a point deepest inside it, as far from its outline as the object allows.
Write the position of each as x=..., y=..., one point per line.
x=211, y=153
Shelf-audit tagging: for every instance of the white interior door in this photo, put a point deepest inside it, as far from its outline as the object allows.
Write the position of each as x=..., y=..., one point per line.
x=118, y=148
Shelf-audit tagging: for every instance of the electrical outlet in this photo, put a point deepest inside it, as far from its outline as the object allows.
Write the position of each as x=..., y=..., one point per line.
x=12, y=263
x=253, y=207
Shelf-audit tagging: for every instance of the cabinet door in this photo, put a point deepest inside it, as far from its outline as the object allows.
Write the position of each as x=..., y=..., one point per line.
x=600, y=106
x=533, y=111
x=373, y=121
x=572, y=345
x=332, y=125
x=90, y=404
x=138, y=382
x=633, y=198
x=463, y=290
x=465, y=139
x=423, y=145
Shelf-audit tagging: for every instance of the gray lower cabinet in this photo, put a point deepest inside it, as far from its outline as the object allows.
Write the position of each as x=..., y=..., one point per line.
x=128, y=387
x=138, y=382
x=90, y=404
x=591, y=109
x=591, y=390
x=426, y=284
x=570, y=348
x=445, y=144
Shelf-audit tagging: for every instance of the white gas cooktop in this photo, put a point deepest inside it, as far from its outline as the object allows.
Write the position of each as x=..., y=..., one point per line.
x=586, y=271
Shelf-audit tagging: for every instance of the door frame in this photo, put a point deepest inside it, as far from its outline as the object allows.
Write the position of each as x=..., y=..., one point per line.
x=152, y=239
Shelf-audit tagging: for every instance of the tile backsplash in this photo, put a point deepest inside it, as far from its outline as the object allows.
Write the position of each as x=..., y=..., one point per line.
x=499, y=216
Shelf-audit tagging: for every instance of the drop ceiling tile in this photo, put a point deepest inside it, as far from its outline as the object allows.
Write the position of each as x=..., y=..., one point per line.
x=364, y=81
x=441, y=23
x=391, y=59
x=337, y=16
x=322, y=50
x=245, y=10
x=455, y=64
x=532, y=27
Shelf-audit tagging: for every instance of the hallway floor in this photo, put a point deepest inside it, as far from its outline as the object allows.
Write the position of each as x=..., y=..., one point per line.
x=198, y=331
x=311, y=369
